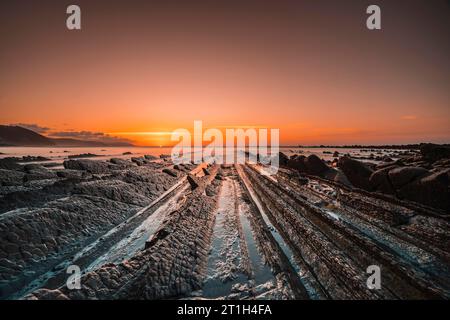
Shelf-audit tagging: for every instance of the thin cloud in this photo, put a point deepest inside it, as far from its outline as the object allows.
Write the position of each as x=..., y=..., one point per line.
x=32, y=126
x=144, y=133
x=88, y=136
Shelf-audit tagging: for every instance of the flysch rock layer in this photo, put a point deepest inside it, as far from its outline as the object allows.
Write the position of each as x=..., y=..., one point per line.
x=172, y=265
x=41, y=224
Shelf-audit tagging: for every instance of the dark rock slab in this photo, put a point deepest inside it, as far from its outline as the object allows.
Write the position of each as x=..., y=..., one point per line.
x=432, y=190
x=283, y=159
x=358, y=173
x=170, y=172
x=314, y=165
x=9, y=164
x=434, y=152
x=91, y=166
x=379, y=181
x=71, y=174
x=11, y=177
x=83, y=155
x=404, y=175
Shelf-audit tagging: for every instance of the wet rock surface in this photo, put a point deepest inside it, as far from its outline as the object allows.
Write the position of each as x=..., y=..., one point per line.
x=416, y=175
x=148, y=229
x=359, y=230
x=417, y=178
x=51, y=214
x=171, y=265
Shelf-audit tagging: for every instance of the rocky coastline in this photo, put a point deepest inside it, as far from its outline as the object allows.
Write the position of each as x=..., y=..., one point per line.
x=146, y=228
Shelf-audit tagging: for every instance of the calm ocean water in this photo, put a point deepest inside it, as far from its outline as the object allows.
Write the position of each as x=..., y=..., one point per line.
x=61, y=154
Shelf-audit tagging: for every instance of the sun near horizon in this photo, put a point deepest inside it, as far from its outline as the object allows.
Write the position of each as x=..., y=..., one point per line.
x=312, y=70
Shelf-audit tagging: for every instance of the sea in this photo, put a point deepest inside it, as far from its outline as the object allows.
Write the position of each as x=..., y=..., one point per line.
x=57, y=155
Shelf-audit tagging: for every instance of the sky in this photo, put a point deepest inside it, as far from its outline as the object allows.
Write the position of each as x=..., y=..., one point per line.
x=139, y=69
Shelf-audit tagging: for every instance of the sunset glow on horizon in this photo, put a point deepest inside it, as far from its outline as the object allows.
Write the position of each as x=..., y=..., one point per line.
x=311, y=70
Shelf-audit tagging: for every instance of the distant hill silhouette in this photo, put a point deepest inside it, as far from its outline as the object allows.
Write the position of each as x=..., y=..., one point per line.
x=19, y=136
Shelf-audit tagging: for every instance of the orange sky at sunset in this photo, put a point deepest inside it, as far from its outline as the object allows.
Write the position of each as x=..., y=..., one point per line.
x=311, y=69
